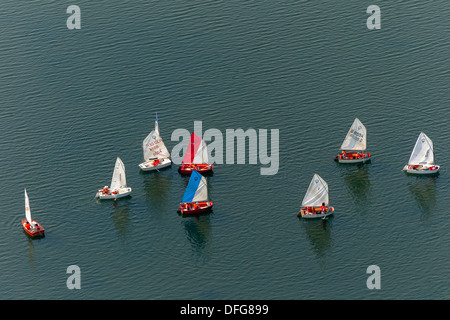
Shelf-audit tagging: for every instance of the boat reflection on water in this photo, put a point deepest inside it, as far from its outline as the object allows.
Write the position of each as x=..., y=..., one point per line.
x=198, y=233
x=424, y=192
x=120, y=216
x=319, y=234
x=157, y=188
x=357, y=181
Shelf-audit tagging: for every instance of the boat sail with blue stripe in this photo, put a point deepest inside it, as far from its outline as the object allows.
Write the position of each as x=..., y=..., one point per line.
x=195, y=199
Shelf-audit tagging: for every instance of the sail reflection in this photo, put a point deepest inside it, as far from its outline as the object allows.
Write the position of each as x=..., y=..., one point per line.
x=120, y=216
x=198, y=232
x=157, y=187
x=424, y=191
x=357, y=182
x=319, y=234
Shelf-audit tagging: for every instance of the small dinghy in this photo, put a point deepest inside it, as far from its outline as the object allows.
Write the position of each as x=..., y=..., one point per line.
x=354, y=145
x=118, y=187
x=156, y=155
x=315, y=202
x=31, y=227
x=196, y=157
x=422, y=157
x=195, y=199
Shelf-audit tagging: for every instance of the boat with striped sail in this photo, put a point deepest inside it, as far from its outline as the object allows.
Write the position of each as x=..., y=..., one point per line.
x=195, y=199
x=196, y=157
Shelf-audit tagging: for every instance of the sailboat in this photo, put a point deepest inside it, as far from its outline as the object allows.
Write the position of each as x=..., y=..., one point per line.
x=316, y=200
x=354, y=146
x=31, y=227
x=196, y=157
x=156, y=155
x=195, y=198
x=421, y=160
x=118, y=187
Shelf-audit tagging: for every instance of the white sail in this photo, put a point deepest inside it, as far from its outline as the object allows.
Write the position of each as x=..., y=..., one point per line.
x=356, y=139
x=27, y=207
x=202, y=154
x=317, y=193
x=202, y=191
x=422, y=152
x=119, y=179
x=154, y=147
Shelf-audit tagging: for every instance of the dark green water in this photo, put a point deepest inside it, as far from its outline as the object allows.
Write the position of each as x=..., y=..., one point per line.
x=74, y=100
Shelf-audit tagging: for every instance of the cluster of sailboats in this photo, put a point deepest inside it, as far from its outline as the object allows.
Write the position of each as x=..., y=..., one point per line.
x=195, y=163
x=315, y=204
x=156, y=157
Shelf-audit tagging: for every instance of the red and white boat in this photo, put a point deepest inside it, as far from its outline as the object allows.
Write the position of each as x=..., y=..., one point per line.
x=354, y=145
x=191, y=208
x=31, y=227
x=196, y=157
x=195, y=199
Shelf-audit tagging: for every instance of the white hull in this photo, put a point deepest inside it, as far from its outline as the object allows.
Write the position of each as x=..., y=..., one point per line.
x=122, y=193
x=315, y=215
x=148, y=166
x=423, y=171
x=360, y=160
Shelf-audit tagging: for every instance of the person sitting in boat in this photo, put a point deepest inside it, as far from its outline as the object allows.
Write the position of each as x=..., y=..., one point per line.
x=196, y=206
x=323, y=209
x=27, y=225
x=105, y=190
x=155, y=162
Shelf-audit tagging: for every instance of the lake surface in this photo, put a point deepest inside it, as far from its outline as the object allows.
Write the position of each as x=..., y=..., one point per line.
x=74, y=100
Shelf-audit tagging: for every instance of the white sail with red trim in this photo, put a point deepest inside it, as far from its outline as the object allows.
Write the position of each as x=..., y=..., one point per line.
x=196, y=151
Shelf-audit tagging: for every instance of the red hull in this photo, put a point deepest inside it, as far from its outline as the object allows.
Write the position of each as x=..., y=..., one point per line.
x=39, y=231
x=200, y=168
x=191, y=208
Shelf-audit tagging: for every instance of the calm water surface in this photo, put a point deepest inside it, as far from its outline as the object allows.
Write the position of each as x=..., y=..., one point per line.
x=74, y=100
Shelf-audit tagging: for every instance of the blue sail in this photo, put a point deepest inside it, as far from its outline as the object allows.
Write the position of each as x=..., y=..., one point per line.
x=195, y=183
